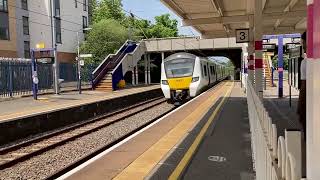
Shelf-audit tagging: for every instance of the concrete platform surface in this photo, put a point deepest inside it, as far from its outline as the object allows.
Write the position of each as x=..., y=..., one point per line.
x=284, y=116
x=220, y=121
x=27, y=106
x=223, y=153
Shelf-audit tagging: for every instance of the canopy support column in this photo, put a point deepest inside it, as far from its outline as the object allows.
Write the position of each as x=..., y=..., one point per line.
x=146, y=69
x=251, y=62
x=313, y=90
x=258, y=48
x=280, y=66
x=149, y=69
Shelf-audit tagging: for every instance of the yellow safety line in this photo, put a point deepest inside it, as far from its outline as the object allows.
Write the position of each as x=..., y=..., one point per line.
x=140, y=167
x=187, y=157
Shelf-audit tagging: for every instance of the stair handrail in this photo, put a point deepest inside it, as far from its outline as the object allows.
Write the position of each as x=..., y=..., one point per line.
x=95, y=77
x=120, y=55
x=101, y=73
x=105, y=59
x=128, y=54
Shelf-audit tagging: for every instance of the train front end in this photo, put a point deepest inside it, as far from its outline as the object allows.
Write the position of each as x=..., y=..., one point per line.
x=177, y=76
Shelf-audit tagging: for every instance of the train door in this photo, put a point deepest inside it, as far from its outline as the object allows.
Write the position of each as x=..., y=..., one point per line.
x=215, y=72
x=209, y=73
x=205, y=72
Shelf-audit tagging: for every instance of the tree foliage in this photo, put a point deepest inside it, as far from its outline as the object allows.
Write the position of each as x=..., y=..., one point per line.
x=285, y=61
x=164, y=27
x=105, y=38
x=108, y=9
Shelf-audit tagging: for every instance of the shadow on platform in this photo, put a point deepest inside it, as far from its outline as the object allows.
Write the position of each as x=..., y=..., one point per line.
x=224, y=152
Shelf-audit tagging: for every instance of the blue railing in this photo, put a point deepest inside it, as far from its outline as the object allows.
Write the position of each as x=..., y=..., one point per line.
x=111, y=62
x=15, y=77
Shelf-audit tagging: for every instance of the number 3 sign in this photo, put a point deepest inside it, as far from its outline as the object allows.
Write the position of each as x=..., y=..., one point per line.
x=242, y=35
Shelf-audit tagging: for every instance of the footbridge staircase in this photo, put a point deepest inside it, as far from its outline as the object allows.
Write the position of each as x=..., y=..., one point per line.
x=113, y=68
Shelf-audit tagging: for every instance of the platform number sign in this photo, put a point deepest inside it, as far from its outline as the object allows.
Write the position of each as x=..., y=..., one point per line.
x=242, y=35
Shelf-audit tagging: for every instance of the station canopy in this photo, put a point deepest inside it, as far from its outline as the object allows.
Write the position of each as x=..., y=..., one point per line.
x=220, y=18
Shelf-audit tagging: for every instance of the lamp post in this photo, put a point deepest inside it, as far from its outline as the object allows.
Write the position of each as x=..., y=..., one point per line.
x=78, y=59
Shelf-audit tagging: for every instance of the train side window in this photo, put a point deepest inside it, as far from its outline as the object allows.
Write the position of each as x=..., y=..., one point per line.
x=205, y=70
x=214, y=70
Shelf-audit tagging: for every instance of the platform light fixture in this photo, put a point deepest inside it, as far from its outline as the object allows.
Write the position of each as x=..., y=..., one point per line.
x=40, y=45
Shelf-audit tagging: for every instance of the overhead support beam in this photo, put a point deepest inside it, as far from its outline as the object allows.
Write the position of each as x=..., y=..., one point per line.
x=219, y=8
x=216, y=20
x=241, y=18
x=265, y=31
x=264, y=2
x=301, y=23
x=291, y=4
x=288, y=8
x=174, y=7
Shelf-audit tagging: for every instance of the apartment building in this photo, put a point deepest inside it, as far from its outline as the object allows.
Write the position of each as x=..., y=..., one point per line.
x=32, y=25
x=8, y=34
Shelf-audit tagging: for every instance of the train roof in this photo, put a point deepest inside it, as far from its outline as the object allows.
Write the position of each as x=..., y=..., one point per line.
x=182, y=55
x=185, y=55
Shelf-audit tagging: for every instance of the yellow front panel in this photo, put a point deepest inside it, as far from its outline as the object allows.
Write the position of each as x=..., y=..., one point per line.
x=179, y=83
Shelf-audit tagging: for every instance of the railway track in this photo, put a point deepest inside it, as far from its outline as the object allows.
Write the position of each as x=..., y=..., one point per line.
x=21, y=152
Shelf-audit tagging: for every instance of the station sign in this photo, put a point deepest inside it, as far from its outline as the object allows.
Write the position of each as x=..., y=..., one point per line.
x=85, y=55
x=45, y=53
x=242, y=35
x=295, y=52
x=269, y=47
x=291, y=46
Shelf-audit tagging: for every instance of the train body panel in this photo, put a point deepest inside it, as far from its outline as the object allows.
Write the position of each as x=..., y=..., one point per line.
x=185, y=75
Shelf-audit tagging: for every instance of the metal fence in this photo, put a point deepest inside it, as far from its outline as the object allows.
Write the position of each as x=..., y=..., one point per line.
x=15, y=77
x=275, y=158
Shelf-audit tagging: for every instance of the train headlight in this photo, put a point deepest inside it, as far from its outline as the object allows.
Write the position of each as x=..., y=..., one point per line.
x=164, y=82
x=195, y=79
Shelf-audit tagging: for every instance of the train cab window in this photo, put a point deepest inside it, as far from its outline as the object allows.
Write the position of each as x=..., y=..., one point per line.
x=205, y=70
x=179, y=68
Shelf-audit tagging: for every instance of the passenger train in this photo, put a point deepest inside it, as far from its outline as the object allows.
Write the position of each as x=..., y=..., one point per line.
x=184, y=75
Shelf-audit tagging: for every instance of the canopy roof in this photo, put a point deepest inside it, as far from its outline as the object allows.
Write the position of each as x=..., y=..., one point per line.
x=220, y=18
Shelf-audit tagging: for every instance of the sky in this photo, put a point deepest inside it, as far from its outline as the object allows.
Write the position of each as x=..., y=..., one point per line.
x=148, y=9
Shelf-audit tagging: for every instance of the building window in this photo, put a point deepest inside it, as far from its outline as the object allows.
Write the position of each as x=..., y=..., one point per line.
x=4, y=26
x=76, y=3
x=84, y=22
x=58, y=30
x=25, y=22
x=4, y=33
x=57, y=8
x=24, y=4
x=4, y=5
x=27, y=49
x=85, y=5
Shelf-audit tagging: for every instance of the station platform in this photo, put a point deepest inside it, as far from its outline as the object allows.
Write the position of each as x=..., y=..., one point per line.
x=205, y=138
x=279, y=109
x=24, y=107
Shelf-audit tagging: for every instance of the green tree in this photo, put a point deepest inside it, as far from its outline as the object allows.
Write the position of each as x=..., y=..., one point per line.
x=108, y=9
x=285, y=61
x=105, y=38
x=163, y=27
